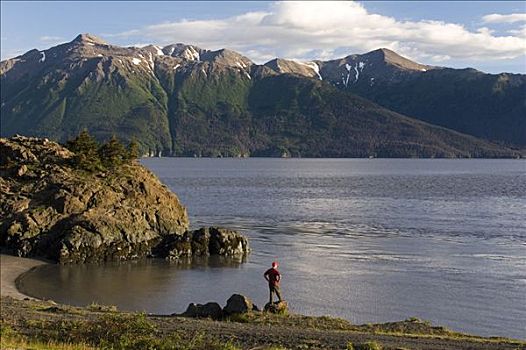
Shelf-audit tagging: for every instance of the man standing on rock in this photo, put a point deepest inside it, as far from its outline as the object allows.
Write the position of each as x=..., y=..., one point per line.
x=273, y=277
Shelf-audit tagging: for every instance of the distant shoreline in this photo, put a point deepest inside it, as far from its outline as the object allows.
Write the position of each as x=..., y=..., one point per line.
x=523, y=157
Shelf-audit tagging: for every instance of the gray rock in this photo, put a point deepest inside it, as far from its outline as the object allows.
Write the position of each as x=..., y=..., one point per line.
x=49, y=209
x=203, y=242
x=238, y=304
x=227, y=242
x=212, y=310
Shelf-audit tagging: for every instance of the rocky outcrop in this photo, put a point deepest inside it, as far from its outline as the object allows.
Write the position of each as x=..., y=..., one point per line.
x=50, y=209
x=208, y=310
x=203, y=242
x=280, y=307
x=238, y=304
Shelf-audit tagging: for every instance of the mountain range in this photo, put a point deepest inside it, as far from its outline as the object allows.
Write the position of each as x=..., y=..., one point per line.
x=183, y=100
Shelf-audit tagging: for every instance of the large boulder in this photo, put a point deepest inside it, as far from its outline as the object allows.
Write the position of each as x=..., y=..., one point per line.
x=280, y=307
x=227, y=242
x=203, y=242
x=211, y=310
x=239, y=304
x=50, y=209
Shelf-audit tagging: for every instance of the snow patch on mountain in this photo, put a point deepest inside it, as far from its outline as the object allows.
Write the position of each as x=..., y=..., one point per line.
x=346, y=81
x=358, y=68
x=357, y=75
x=159, y=51
x=136, y=61
x=195, y=54
x=314, y=66
x=42, y=57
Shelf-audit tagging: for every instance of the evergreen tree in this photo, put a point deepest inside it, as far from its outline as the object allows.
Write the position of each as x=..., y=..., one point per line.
x=133, y=150
x=86, y=155
x=113, y=153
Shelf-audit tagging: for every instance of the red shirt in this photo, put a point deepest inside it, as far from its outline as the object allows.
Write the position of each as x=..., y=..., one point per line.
x=273, y=276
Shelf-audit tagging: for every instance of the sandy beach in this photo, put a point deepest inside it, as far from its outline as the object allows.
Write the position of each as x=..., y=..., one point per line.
x=11, y=268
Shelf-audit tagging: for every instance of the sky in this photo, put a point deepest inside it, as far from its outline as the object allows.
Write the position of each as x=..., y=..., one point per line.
x=486, y=35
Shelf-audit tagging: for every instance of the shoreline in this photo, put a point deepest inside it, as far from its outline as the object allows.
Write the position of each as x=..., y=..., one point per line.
x=12, y=268
x=244, y=329
x=33, y=321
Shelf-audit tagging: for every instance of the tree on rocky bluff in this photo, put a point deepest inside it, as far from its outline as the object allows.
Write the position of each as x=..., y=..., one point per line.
x=86, y=151
x=113, y=153
x=133, y=149
x=91, y=156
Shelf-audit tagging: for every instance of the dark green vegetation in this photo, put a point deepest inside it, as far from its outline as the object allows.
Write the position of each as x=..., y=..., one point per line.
x=91, y=156
x=306, y=117
x=74, y=328
x=192, y=102
x=492, y=107
x=488, y=106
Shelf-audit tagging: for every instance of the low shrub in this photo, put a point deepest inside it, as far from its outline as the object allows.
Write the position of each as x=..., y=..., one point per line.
x=372, y=345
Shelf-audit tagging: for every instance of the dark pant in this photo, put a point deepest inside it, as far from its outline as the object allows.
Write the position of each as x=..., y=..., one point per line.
x=274, y=289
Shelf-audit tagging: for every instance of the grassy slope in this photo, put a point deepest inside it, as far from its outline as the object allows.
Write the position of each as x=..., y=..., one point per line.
x=96, y=94
x=484, y=105
x=38, y=322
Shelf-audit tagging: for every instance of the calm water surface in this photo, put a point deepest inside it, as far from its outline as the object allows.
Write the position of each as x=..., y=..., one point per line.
x=368, y=240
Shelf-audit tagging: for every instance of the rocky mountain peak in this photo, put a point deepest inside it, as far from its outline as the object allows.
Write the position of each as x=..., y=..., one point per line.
x=386, y=56
x=228, y=58
x=306, y=69
x=188, y=52
x=89, y=38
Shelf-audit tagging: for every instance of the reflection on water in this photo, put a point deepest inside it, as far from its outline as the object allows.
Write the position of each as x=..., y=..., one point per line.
x=124, y=284
x=370, y=241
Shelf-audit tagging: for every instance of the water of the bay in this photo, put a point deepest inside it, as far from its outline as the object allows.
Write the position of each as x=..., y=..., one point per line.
x=367, y=240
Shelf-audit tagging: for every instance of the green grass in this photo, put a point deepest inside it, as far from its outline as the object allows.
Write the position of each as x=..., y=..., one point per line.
x=372, y=345
x=10, y=339
x=104, y=308
x=109, y=331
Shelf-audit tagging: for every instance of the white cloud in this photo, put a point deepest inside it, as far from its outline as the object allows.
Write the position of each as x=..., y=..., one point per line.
x=303, y=30
x=520, y=32
x=47, y=38
x=498, y=18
